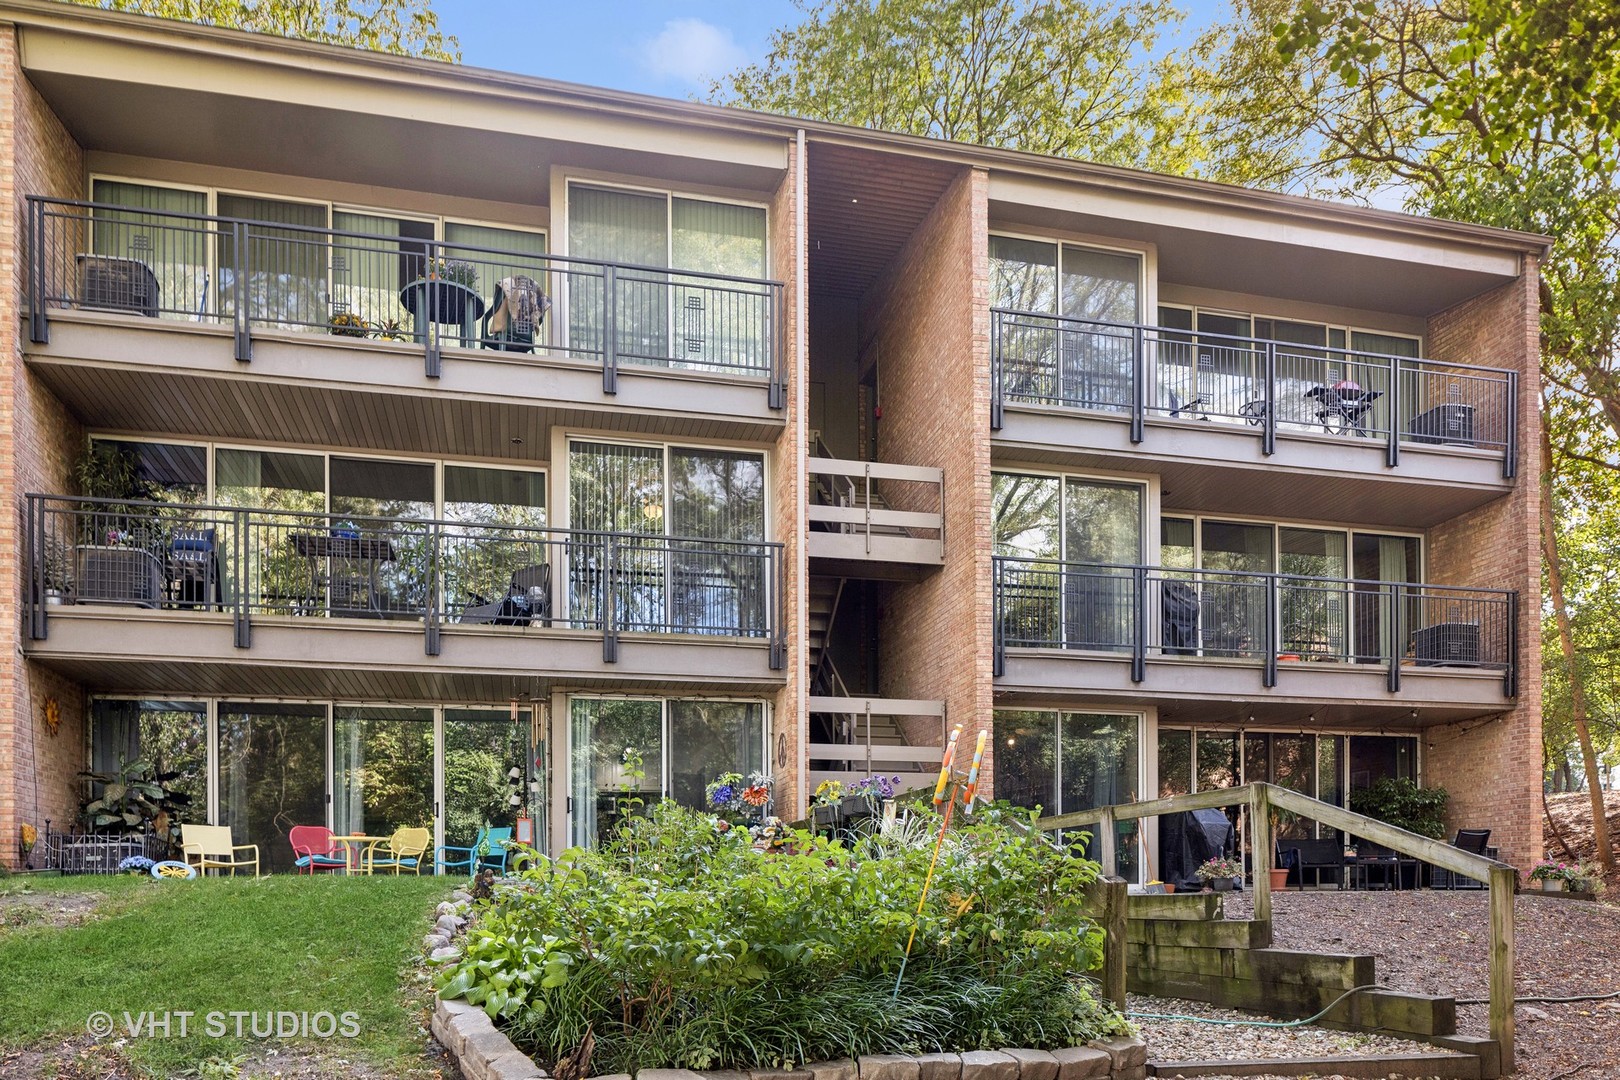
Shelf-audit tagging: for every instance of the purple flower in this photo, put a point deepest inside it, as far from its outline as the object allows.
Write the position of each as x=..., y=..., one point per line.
x=722, y=795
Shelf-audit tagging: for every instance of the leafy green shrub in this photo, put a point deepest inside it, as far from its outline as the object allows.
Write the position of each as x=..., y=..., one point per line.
x=681, y=946
x=1401, y=803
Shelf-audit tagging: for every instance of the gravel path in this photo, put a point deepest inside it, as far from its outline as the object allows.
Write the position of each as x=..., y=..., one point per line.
x=1436, y=943
x=1186, y=1040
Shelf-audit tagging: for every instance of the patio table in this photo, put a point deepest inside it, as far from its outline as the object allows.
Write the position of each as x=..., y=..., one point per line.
x=354, y=845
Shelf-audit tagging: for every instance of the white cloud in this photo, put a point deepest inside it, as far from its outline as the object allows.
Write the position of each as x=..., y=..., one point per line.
x=692, y=51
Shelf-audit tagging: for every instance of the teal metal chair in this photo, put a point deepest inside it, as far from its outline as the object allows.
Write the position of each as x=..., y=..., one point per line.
x=489, y=849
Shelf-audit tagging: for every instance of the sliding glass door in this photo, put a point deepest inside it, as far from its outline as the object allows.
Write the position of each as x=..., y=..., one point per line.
x=694, y=560
x=272, y=774
x=382, y=769
x=663, y=317
x=627, y=754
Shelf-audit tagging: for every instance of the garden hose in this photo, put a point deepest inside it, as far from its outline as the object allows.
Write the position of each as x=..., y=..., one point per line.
x=1257, y=1023
x=1537, y=1000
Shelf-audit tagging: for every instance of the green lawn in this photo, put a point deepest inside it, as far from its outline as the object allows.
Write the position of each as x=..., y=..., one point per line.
x=303, y=945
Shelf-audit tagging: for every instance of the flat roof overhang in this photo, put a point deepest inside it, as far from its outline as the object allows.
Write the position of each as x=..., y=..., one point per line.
x=120, y=373
x=165, y=90
x=1219, y=468
x=1313, y=696
x=125, y=650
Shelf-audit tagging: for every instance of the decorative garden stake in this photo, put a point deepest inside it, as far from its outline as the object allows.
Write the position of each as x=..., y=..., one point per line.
x=973, y=774
x=939, y=841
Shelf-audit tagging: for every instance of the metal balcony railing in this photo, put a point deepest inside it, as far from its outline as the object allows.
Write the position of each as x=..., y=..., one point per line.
x=1263, y=618
x=261, y=562
x=253, y=275
x=1137, y=371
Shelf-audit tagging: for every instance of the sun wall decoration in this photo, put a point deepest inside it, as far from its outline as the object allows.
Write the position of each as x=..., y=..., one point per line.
x=52, y=716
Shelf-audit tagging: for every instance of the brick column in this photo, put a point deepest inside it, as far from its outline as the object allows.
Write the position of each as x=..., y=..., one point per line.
x=1492, y=767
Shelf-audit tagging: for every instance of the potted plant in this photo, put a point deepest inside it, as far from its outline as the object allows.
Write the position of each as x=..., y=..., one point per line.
x=1219, y=874
x=861, y=799
x=348, y=324
x=28, y=838
x=824, y=804
x=456, y=271
x=58, y=559
x=1553, y=876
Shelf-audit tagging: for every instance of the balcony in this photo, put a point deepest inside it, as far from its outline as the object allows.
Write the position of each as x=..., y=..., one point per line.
x=1215, y=399
x=1247, y=637
x=873, y=520
x=131, y=582
x=228, y=297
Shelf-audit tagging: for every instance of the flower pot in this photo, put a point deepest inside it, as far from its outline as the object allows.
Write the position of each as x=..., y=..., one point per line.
x=1221, y=884
x=1279, y=879
x=856, y=806
x=53, y=598
x=824, y=816
x=1552, y=886
x=1169, y=886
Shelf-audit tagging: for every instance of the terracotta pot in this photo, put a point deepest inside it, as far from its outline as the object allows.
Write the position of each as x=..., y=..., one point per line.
x=1169, y=886
x=1279, y=880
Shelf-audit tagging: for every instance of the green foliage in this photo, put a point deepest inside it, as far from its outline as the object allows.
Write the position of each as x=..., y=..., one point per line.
x=134, y=800
x=681, y=946
x=1401, y=803
x=407, y=27
x=1063, y=77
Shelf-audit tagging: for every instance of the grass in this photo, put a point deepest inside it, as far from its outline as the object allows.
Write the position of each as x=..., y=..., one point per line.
x=302, y=945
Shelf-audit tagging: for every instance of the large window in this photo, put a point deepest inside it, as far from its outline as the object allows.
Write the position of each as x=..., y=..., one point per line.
x=453, y=769
x=1065, y=762
x=1331, y=603
x=702, y=567
x=1066, y=546
x=297, y=275
x=628, y=753
x=1069, y=341
x=661, y=316
x=1216, y=358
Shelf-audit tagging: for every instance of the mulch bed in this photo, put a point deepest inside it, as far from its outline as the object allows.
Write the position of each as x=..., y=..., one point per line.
x=1436, y=943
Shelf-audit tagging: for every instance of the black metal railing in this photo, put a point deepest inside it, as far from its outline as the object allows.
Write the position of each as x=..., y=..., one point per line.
x=435, y=295
x=1138, y=371
x=1265, y=618
x=261, y=562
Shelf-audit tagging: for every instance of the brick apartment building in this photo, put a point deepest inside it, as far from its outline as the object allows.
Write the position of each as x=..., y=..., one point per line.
x=375, y=430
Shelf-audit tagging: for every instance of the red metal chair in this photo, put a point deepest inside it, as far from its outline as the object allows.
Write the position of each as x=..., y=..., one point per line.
x=315, y=849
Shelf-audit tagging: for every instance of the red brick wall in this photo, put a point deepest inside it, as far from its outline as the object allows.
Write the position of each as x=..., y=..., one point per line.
x=932, y=342
x=1492, y=768
x=39, y=440
x=792, y=705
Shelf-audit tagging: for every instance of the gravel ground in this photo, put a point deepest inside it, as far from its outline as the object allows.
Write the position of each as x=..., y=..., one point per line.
x=1436, y=942
x=1185, y=1040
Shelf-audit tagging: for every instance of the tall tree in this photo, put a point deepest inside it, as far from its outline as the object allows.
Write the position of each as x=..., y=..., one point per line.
x=1477, y=110
x=407, y=27
x=1063, y=77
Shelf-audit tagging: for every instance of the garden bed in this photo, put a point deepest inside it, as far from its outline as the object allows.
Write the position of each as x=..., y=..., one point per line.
x=681, y=946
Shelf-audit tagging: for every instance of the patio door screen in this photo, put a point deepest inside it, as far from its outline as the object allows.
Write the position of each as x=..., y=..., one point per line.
x=694, y=561
x=382, y=769
x=272, y=774
x=663, y=318
x=626, y=755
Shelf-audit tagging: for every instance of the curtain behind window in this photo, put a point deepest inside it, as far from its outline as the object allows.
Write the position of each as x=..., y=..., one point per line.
x=174, y=249
x=619, y=227
x=284, y=262
x=719, y=324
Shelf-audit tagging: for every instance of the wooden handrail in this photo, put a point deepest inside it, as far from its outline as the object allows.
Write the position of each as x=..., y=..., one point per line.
x=1259, y=798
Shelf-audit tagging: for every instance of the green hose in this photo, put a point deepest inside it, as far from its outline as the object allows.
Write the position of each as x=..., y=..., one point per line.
x=1258, y=1023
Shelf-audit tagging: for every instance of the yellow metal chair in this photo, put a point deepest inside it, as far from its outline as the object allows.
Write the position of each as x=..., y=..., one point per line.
x=210, y=847
x=402, y=851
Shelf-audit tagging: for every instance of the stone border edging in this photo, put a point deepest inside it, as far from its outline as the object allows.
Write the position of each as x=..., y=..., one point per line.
x=484, y=1053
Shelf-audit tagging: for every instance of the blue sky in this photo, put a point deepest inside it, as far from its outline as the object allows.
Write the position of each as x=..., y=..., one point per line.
x=663, y=47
